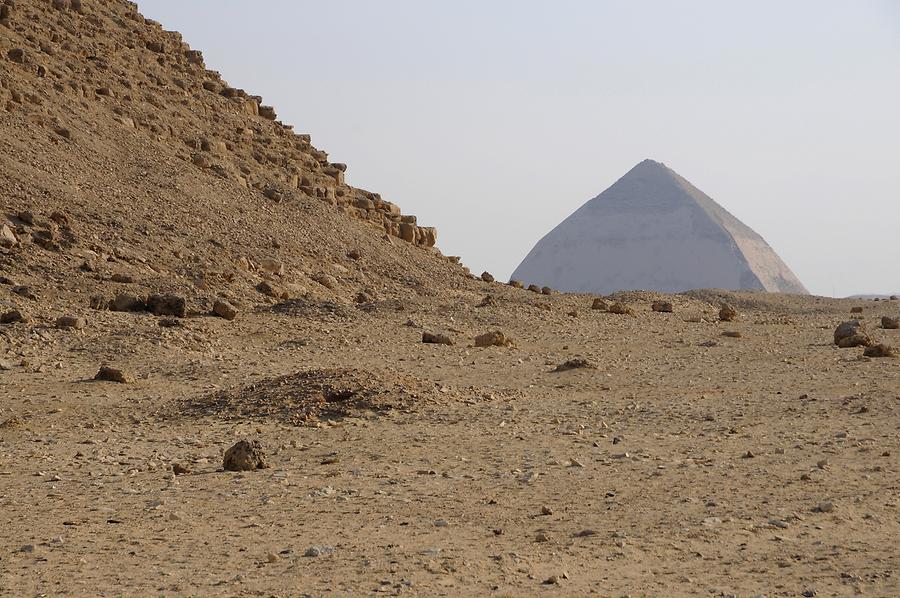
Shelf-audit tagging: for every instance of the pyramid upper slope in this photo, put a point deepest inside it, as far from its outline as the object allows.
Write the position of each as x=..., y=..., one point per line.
x=654, y=230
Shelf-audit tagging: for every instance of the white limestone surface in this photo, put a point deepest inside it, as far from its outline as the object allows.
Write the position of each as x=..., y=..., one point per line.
x=653, y=230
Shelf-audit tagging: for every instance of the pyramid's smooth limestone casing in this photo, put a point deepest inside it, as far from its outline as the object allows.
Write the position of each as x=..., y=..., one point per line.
x=653, y=230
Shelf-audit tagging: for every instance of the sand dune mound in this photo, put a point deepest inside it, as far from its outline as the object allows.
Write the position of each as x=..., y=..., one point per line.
x=308, y=396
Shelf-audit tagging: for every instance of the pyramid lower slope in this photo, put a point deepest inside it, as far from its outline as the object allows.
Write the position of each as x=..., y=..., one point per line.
x=653, y=230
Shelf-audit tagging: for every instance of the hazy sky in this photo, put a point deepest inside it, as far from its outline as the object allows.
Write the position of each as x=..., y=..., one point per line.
x=494, y=120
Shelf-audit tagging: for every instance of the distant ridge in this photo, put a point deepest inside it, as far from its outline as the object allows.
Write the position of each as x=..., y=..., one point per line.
x=653, y=230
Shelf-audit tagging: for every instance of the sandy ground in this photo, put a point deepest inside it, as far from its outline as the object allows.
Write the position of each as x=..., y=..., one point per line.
x=686, y=463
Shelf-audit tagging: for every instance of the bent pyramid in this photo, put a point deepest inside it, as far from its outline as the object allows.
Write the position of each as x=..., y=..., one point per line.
x=653, y=230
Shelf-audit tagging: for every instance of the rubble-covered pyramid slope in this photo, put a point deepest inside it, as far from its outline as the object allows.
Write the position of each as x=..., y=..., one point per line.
x=125, y=161
x=653, y=230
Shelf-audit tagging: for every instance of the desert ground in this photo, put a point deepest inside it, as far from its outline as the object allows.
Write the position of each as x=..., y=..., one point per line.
x=160, y=223
x=686, y=463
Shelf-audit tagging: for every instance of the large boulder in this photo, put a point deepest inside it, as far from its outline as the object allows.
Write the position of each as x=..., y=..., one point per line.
x=428, y=236
x=408, y=232
x=851, y=334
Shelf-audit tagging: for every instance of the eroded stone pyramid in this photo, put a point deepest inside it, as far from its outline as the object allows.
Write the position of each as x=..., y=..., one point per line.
x=653, y=230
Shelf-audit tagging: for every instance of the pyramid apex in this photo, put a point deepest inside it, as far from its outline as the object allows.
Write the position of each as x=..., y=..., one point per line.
x=649, y=164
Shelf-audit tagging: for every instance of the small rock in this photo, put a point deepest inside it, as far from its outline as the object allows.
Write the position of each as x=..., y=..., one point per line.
x=534, y=288
x=574, y=364
x=127, y=302
x=516, y=284
x=8, y=238
x=727, y=313
x=824, y=507
x=224, y=309
x=354, y=254
x=856, y=310
x=889, y=323
x=732, y=334
x=65, y=322
x=326, y=280
x=362, y=298
x=436, y=339
x=546, y=291
x=271, y=266
x=664, y=307
x=270, y=290
x=600, y=304
x=118, y=277
x=880, y=350
x=99, y=302
x=180, y=469
x=110, y=374
x=487, y=277
x=167, y=305
x=493, y=339
x=316, y=551
x=246, y=455
x=488, y=301
x=24, y=291
x=16, y=55
x=11, y=317
x=621, y=309
x=545, y=510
